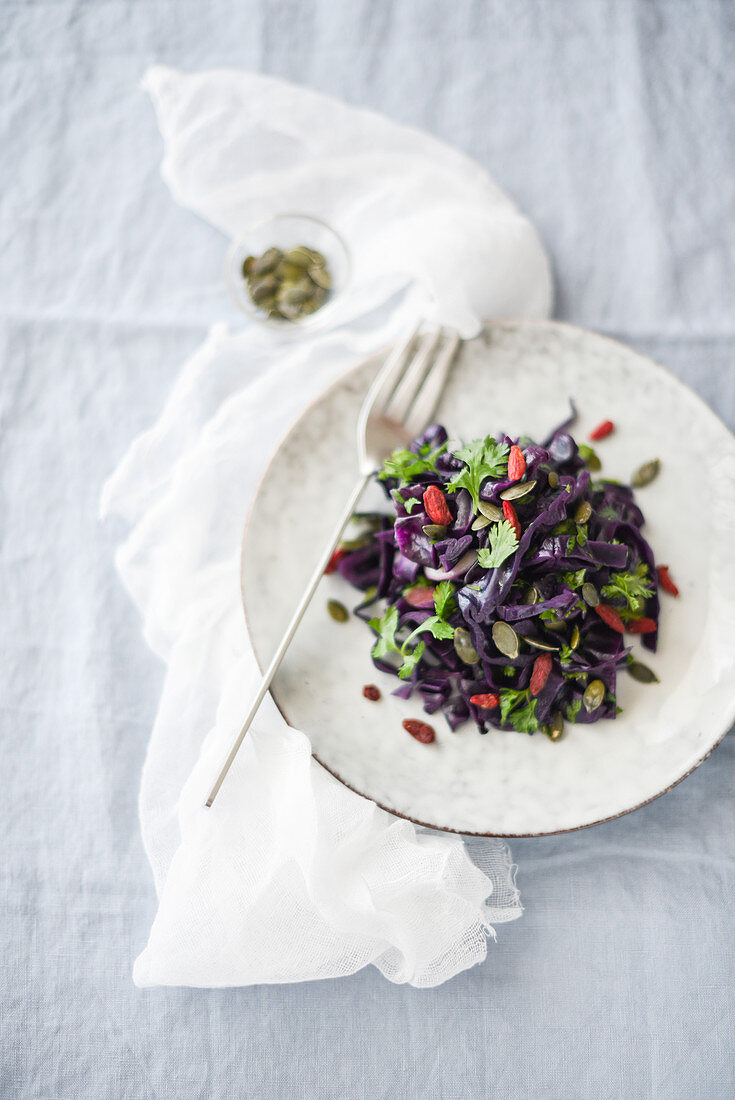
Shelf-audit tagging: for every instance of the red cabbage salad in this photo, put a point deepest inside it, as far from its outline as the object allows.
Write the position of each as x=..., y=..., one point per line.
x=503, y=587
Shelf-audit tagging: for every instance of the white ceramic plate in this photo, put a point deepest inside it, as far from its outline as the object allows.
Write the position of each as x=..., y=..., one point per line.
x=517, y=377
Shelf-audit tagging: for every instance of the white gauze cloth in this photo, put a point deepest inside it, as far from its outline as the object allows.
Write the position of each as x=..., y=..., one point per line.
x=290, y=876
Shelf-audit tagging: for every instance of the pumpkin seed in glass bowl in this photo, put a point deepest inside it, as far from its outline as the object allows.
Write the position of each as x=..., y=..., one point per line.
x=288, y=271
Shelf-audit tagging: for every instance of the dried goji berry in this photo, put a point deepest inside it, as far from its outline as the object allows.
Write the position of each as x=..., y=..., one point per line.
x=422, y=731
x=666, y=582
x=371, y=692
x=510, y=514
x=610, y=616
x=334, y=561
x=641, y=626
x=540, y=674
x=602, y=430
x=436, y=506
x=487, y=702
x=516, y=464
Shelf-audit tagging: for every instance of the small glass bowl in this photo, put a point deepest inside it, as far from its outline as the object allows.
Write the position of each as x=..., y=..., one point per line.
x=287, y=231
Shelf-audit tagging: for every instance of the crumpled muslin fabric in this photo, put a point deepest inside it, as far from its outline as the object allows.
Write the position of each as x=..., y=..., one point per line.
x=290, y=876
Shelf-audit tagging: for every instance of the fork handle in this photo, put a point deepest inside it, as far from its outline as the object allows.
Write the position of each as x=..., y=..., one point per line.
x=287, y=638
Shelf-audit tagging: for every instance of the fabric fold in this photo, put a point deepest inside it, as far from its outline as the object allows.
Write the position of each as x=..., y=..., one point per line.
x=291, y=876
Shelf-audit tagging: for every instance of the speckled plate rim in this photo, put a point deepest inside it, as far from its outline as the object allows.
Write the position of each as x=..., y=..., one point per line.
x=518, y=323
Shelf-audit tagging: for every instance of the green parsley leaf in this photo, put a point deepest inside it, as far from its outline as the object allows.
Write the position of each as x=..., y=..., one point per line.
x=566, y=653
x=484, y=458
x=518, y=708
x=634, y=588
x=406, y=466
x=410, y=660
x=435, y=626
x=386, y=629
x=410, y=504
x=444, y=602
x=440, y=629
x=575, y=579
x=573, y=710
x=503, y=543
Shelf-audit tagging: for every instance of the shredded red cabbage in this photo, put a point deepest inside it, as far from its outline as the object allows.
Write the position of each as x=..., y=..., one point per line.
x=566, y=582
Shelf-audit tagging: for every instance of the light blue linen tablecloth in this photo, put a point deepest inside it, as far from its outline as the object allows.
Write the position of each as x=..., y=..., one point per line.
x=612, y=125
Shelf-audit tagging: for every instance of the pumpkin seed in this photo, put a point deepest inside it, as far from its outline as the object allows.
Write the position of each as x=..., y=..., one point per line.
x=553, y=479
x=575, y=637
x=480, y=523
x=532, y=595
x=338, y=611
x=263, y=287
x=288, y=285
x=490, y=511
x=646, y=473
x=583, y=512
x=320, y=276
x=589, y=594
x=302, y=256
x=505, y=638
x=642, y=673
x=520, y=489
x=267, y=262
x=290, y=272
x=556, y=727
x=293, y=294
x=434, y=531
x=298, y=258
x=555, y=625
x=463, y=647
x=545, y=646
x=594, y=693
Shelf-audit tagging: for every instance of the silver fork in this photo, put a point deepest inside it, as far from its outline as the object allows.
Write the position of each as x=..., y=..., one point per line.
x=398, y=405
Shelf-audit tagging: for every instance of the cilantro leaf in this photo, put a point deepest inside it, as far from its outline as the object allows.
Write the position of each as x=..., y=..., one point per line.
x=503, y=543
x=634, y=588
x=410, y=660
x=484, y=458
x=575, y=579
x=444, y=602
x=435, y=626
x=386, y=629
x=573, y=710
x=518, y=708
x=406, y=466
x=410, y=504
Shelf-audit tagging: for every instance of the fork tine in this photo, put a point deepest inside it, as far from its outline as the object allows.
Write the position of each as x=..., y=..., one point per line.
x=422, y=409
x=410, y=384
x=387, y=378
